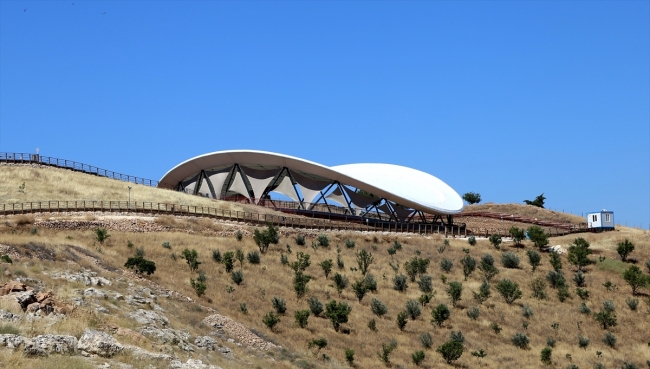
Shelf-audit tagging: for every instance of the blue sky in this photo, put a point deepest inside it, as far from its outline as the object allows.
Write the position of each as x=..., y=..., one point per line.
x=508, y=99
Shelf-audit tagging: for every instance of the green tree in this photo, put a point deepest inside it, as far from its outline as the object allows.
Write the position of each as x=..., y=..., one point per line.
x=302, y=317
x=483, y=292
x=326, y=265
x=301, y=263
x=472, y=197
x=537, y=236
x=191, y=258
x=239, y=255
x=636, y=279
x=300, y=281
x=364, y=260
x=266, y=237
x=487, y=267
x=517, y=234
x=451, y=351
x=539, y=201
x=228, y=260
x=509, y=290
x=624, y=249
x=101, y=234
x=140, y=265
x=534, y=258
x=439, y=314
x=271, y=320
x=546, y=355
x=402, y=320
x=469, y=265
x=579, y=253
x=360, y=289
x=337, y=313
x=556, y=261
x=607, y=316
x=495, y=240
x=340, y=282
x=455, y=290
x=417, y=357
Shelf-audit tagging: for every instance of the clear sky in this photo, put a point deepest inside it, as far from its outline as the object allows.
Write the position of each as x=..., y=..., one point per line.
x=509, y=99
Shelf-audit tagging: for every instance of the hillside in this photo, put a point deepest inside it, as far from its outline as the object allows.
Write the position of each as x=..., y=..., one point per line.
x=51, y=245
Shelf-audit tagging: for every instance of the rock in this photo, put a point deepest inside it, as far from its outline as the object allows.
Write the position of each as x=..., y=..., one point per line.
x=49, y=343
x=166, y=335
x=102, y=310
x=33, y=307
x=148, y=317
x=5, y=315
x=86, y=277
x=42, y=296
x=242, y=334
x=11, y=341
x=12, y=286
x=205, y=342
x=24, y=298
x=138, y=352
x=191, y=364
x=93, y=292
x=557, y=248
x=99, y=343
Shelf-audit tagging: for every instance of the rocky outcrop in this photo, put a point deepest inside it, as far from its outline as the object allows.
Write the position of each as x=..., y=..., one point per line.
x=12, y=286
x=7, y=316
x=50, y=343
x=205, y=342
x=239, y=332
x=11, y=341
x=191, y=364
x=99, y=343
x=85, y=276
x=151, y=318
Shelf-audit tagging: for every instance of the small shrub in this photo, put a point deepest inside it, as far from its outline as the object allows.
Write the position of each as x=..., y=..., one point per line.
x=391, y=251
x=349, y=243
x=300, y=240
x=372, y=325
x=370, y=282
x=242, y=308
x=520, y=340
x=425, y=298
x=537, y=236
x=510, y=260
x=33, y=231
x=579, y=279
x=239, y=236
x=239, y=255
x=584, y=309
x=487, y=267
x=302, y=317
x=550, y=341
x=139, y=265
x=279, y=305
x=300, y=281
x=636, y=279
x=326, y=265
x=266, y=237
x=364, y=260
x=446, y=265
x=198, y=285
x=442, y=249
x=556, y=261
x=607, y=316
x=101, y=235
x=534, y=259
x=284, y=259
x=191, y=258
x=378, y=308
x=546, y=355
x=582, y=293
x=495, y=240
x=315, y=306
x=6, y=259
x=583, y=342
x=509, y=290
x=496, y=328
x=167, y=245
x=349, y=356
x=413, y=309
x=517, y=234
x=632, y=303
x=624, y=249
x=401, y=320
x=339, y=262
x=386, y=350
x=439, y=314
x=469, y=265
x=360, y=289
x=555, y=279
x=426, y=340
x=216, y=256
x=253, y=257
x=454, y=291
x=337, y=313
x=323, y=240
x=471, y=240
x=539, y=288
x=563, y=293
x=483, y=292
x=237, y=276
x=229, y=261
x=340, y=282
x=451, y=351
x=473, y=313
x=457, y=336
x=527, y=311
x=399, y=283
x=609, y=339
x=271, y=320
x=425, y=283
x=417, y=357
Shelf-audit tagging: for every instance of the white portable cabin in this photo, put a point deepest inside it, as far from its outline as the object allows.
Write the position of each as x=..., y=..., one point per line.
x=600, y=219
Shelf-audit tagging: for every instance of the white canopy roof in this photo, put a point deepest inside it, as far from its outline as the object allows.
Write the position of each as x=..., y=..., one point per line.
x=401, y=185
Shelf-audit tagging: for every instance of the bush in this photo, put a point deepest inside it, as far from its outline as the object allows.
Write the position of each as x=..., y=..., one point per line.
x=579, y=253
x=471, y=240
x=302, y=262
x=450, y=351
x=239, y=235
x=582, y=293
x=326, y=265
x=520, y=340
x=271, y=320
x=372, y=325
x=323, y=240
x=457, y=336
x=229, y=261
x=546, y=355
x=517, y=234
x=487, y=267
x=584, y=309
x=242, y=308
x=284, y=259
x=469, y=265
x=167, y=245
x=555, y=279
x=550, y=341
x=300, y=281
x=454, y=291
x=439, y=314
x=349, y=356
x=191, y=258
x=624, y=249
x=607, y=316
x=401, y=320
x=509, y=290
x=101, y=235
x=337, y=313
x=315, y=306
x=318, y=342
x=583, y=342
x=384, y=354
x=378, y=307
x=563, y=293
x=483, y=292
x=216, y=256
x=636, y=279
x=6, y=259
x=426, y=340
x=413, y=309
x=579, y=279
x=199, y=284
x=472, y=197
x=370, y=282
x=417, y=357
x=537, y=236
x=610, y=339
x=140, y=265
x=496, y=328
x=302, y=317
x=527, y=311
x=279, y=305
x=534, y=259
x=495, y=240
x=539, y=288
x=340, y=282
x=399, y=283
x=415, y=266
x=253, y=257
x=446, y=265
x=632, y=303
x=349, y=243
x=425, y=283
x=359, y=287
x=364, y=260
x=510, y=260
x=239, y=255
x=473, y=313
x=339, y=262
x=266, y=237
x=300, y=240
x=237, y=276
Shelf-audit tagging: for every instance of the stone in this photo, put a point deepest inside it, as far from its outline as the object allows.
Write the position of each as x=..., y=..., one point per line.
x=99, y=343
x=12, y=286
x=93, y=292
x=102, y=310
x=191, y=364
x=138, y=352
x=205, y=342
x=33, y=307
x=5, y=315
x=24, y=298
x=11, y=341
x=46, y=344
x=166, y=335
x=148, y=317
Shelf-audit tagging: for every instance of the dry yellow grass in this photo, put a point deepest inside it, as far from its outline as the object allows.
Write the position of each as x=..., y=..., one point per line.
x=271, y=278
x=527, y=211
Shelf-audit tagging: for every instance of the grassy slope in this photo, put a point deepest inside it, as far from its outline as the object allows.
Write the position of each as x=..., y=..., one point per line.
x=528, y=211
x=271, y=278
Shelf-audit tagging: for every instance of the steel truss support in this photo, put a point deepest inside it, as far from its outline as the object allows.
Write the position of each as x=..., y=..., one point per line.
x=322, y=196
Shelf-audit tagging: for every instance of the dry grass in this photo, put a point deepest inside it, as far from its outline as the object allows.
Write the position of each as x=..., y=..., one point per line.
x=527, y=211
x=259, y=287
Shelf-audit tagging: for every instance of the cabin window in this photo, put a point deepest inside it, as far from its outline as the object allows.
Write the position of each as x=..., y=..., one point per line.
x=607, y=217
x=594, y=218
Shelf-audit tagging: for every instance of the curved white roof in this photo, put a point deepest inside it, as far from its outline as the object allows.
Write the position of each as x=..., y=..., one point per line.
x=404, y=186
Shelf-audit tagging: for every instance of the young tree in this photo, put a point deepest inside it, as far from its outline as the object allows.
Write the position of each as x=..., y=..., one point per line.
x=300, y=281
x=402, y=320
x=228, y=260
x=556, y=261
x=469, y=265
x=302, y=317
x=487, y=267
x=378, y=307
x=579, y=253
x=359, y=287
x=271, y=320
x=517, y=234
x=337, y=313
x=539, y=201
x=364, y=260
x=101, y=235
x=266, y=237
x=538, y=236
x=624, y=249
x=141, y=265
x=495, y=240
x=451, y=351
x=439, y=314
x=483, y=292
x=472, y=197
x=509, y=290
x=534, y=258
x=239, y=255
x=636, y=279
x=191, y=258
x=326, y=265
x=455, y=290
